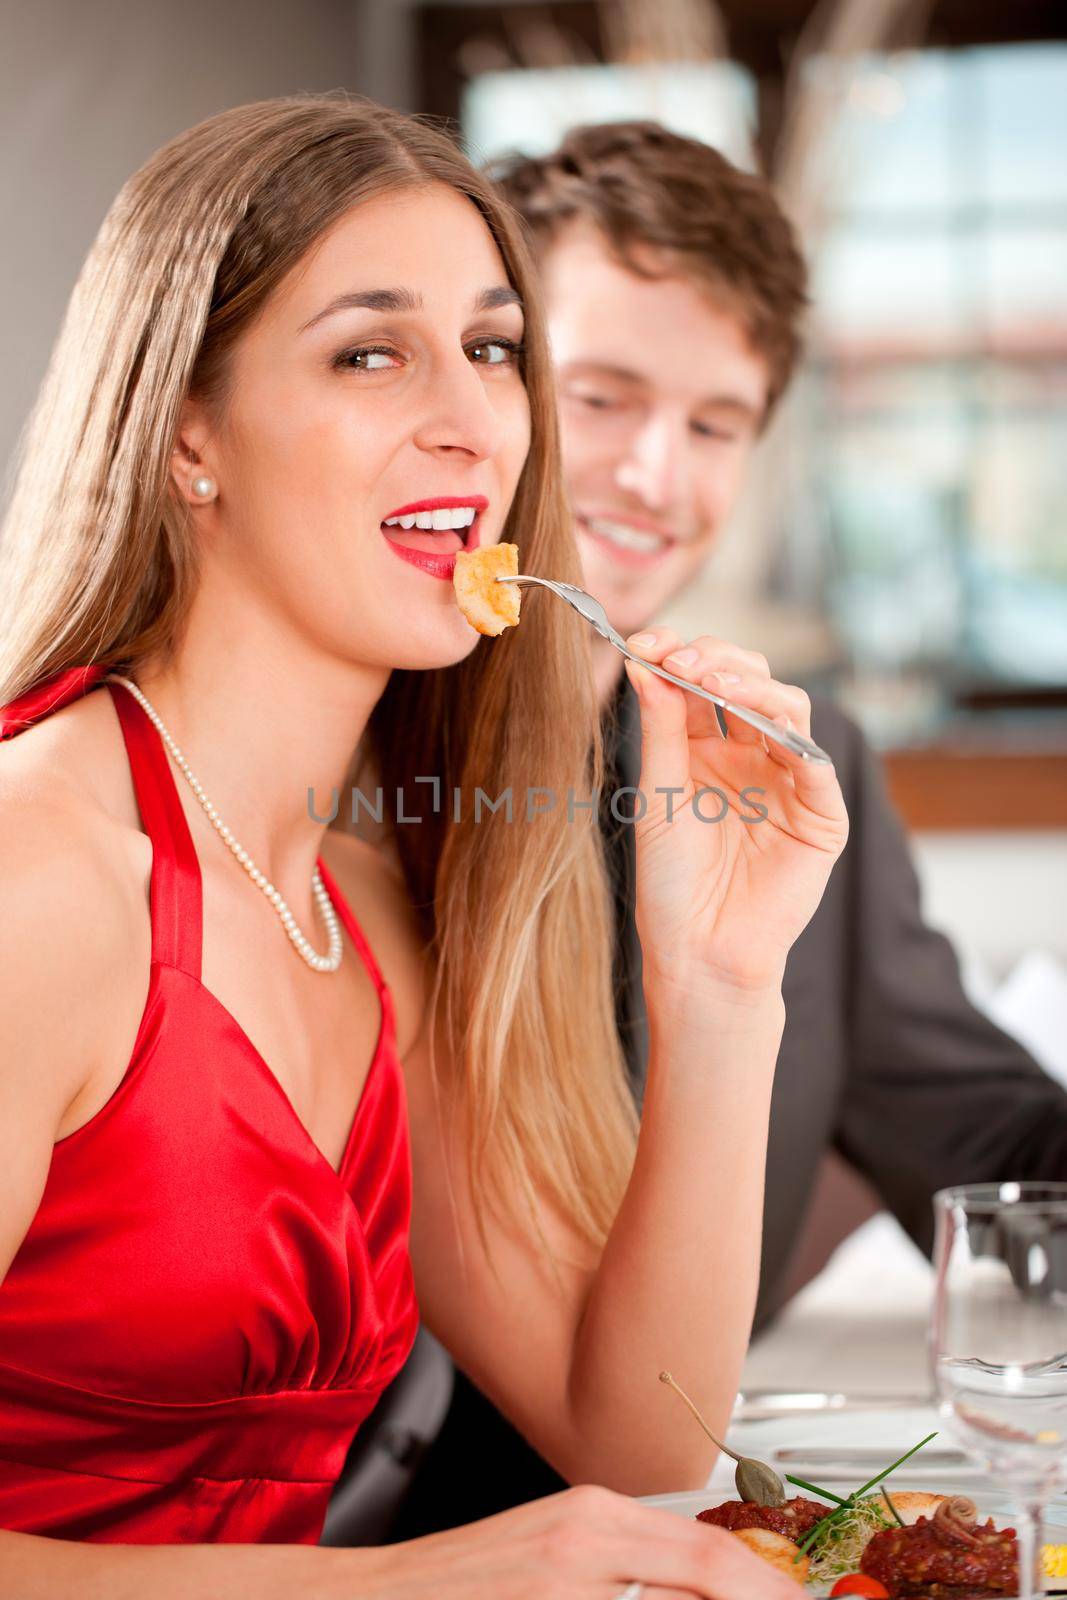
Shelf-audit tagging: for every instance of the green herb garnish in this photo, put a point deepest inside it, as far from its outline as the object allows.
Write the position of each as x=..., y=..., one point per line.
x=845, y=1507
x=884, y=1492
x=802, y=1483
x=840, y=1545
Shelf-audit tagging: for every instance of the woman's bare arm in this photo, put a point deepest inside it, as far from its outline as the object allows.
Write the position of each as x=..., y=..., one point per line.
x=574, y=1359
x=60, y=955
x=59, y=1569
x=575, y=1363
x=586, y=1544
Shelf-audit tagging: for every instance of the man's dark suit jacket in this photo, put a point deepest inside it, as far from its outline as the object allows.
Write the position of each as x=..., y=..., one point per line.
x=883, y=1058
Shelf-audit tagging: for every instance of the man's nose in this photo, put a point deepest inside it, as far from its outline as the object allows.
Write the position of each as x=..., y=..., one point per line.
x=458, y=414
x=655, y=466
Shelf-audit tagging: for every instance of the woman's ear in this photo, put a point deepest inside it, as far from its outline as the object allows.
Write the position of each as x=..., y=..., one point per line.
x=190, y=460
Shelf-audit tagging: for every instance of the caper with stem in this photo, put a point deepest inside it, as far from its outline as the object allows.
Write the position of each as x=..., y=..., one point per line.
x=755, y=1480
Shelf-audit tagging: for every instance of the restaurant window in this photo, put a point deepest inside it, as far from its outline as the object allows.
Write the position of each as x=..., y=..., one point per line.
x=937, y=421
x=531, y=110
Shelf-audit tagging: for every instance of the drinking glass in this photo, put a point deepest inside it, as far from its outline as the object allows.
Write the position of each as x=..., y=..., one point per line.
x=998, y=1342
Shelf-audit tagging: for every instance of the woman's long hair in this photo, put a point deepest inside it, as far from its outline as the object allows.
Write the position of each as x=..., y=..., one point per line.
x=97, y=565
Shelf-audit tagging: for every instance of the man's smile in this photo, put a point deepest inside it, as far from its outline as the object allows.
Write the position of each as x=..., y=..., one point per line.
x=634, y=542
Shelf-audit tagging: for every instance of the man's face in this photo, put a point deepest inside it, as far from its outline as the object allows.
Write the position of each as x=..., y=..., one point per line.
x=661, y=397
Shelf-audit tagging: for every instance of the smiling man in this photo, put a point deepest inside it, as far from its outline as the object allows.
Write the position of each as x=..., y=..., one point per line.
x=659, y=419
x=675, y=291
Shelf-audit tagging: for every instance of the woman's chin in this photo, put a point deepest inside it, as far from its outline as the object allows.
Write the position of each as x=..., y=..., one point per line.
x=430, y=643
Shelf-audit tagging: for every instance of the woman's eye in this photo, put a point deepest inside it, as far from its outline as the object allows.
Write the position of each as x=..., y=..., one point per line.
x=378, y=358
x=706, y=431
x=495, y=352
x=367, y=358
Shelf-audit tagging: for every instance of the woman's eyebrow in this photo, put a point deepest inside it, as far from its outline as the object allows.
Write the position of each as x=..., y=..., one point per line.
x=406, y=300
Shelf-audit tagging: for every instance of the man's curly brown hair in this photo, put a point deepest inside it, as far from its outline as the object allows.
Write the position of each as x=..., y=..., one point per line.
x=644, y=186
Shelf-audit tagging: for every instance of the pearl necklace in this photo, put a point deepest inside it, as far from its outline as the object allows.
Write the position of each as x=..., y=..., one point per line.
x=327, y=963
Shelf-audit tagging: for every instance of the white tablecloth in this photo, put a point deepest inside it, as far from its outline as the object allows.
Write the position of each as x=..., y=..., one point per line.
x=859, y=1327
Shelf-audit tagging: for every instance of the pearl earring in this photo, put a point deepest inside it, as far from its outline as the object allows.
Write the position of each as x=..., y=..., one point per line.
x=204, y=488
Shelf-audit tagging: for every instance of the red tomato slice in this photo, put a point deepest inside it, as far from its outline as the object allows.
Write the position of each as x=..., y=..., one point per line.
x=859, y=1583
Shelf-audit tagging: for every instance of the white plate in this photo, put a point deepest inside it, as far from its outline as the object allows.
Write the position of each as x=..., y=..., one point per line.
x=690, y=1501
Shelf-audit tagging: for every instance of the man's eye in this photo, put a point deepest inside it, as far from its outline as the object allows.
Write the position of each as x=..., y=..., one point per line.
x=362, y=359
x=707, y=431
x=597, y=402
x=495, y=352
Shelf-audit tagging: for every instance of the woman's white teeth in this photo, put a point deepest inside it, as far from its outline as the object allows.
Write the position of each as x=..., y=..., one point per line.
x=628, y=538
x=448, y=517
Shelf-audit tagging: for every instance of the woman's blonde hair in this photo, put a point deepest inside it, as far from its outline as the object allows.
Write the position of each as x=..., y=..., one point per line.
x=97, y=565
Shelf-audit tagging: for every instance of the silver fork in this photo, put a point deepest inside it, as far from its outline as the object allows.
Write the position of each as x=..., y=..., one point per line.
x=594, y=613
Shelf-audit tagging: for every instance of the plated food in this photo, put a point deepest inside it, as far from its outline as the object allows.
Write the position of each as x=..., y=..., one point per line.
x=776, y=1549
x=905, y=1545
x=909, y=1545
x=488, y=606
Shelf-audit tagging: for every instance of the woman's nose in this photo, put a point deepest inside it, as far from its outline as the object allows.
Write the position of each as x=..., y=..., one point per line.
x=460, y=415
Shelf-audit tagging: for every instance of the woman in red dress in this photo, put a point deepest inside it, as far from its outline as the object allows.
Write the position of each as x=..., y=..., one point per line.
x=259, y=1082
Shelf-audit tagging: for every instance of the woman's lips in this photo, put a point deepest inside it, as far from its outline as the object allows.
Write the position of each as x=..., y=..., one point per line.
x=432, y=552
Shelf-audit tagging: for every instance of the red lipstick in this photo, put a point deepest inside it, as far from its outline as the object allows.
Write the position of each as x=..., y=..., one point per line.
x=441, y=502
x=438, y=563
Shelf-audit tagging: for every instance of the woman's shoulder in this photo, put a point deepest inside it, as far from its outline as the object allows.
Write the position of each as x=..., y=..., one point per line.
x=64, y=839
x=374, y=887
x=73, y=755
x=75, y=902
x=66, y=951
x=73, y=875
x=69, y=827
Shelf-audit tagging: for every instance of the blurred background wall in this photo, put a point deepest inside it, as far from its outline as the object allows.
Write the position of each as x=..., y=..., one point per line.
x=904, y=547
x=87, y=91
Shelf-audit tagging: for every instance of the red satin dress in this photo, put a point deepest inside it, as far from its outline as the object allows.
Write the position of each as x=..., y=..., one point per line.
x=203, y=1311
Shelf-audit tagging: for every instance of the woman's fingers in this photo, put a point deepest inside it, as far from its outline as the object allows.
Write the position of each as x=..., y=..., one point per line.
x=742, y=676
x=586, y=1543
x=669, y=718
x=671, y=1553
x=712, y=1565
x=778, y=702
x=722, y=667
x=712, y=654
x=815, y=782
x=665, y=763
